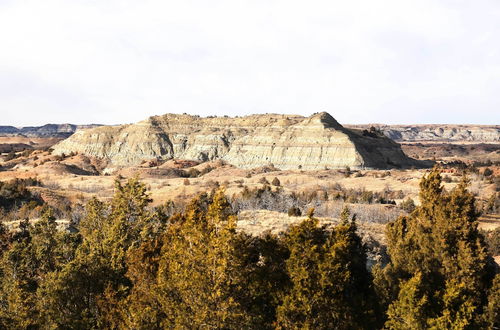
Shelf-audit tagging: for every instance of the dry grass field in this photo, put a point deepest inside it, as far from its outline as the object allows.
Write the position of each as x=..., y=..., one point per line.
x=77, y=177
x=74, y=179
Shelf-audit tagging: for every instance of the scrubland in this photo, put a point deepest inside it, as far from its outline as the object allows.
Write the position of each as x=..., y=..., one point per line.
x=94, y=246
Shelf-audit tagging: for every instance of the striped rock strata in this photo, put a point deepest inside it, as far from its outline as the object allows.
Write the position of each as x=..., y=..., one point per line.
x=287, y=142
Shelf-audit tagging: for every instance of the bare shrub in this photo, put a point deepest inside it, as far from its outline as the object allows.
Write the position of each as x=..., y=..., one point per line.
x=52, y=185
x=263, y=180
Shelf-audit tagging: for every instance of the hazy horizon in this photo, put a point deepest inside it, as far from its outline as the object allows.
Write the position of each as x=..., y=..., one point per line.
x=115, y=62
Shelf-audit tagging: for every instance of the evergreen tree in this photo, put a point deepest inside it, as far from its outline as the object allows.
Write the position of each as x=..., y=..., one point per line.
x=409, y=312
x=357, y=306
x=304, y=242
x=128, y=218
x=439, y=270
x=91, y=227
x=199, y=275
x=198, y=271
x=5, y=239
x=89, y=290
x=264, y=277
x=37, y=252
x=70, y=297
x=142, y=308
x=493, y=309
x=331, y=287
x=19, y=285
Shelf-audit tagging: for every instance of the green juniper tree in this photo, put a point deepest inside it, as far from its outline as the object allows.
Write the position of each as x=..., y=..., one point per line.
x=199, y=275
x=439, y=271
x=330, y=285
x=88, y=291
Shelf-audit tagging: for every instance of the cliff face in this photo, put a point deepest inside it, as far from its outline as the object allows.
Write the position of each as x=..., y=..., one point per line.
x=288, y=142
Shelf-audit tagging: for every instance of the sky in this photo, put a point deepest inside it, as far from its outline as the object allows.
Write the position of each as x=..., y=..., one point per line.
x=363, y=61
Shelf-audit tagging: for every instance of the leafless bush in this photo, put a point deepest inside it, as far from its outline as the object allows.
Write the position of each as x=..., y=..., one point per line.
x=277, y=200
x=90, y=188
x=375, y=213
x=264, y=199
x=51, y=185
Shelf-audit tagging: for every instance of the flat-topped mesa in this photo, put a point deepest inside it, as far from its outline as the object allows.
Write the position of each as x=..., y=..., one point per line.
x=286, y=141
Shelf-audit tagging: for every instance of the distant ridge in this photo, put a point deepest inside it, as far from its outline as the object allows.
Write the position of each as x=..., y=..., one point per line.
x=399, y=133
x=438, y=132
x=48, y=130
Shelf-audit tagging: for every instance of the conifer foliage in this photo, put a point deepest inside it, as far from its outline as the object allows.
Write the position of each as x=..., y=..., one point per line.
x=198, y=276
x=439, y=271
x=331, y=287
x=130, y=266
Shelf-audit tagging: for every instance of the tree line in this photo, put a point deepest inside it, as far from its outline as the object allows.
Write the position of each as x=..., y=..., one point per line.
x=130, y=266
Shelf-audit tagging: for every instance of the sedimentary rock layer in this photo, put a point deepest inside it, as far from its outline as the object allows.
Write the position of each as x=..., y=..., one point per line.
x=438, y=133
x=45, y=131
x=287, y=142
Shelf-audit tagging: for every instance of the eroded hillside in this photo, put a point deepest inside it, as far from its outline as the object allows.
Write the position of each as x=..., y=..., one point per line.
x=287, y=142
x=438, y=133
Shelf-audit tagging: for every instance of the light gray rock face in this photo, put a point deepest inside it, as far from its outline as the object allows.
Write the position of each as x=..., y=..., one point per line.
x=439, y=133
x=287, y=142
x=49, y=130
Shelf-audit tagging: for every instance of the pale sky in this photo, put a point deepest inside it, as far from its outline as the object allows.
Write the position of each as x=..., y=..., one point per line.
x=384, y=61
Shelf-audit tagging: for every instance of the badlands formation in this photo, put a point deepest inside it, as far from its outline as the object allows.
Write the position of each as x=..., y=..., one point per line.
x=287, y=142
x=439, y=133
x=45, y=131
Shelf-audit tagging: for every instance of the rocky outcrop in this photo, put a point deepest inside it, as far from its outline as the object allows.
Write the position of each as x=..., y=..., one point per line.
x=438, y=133
x=287, y=142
